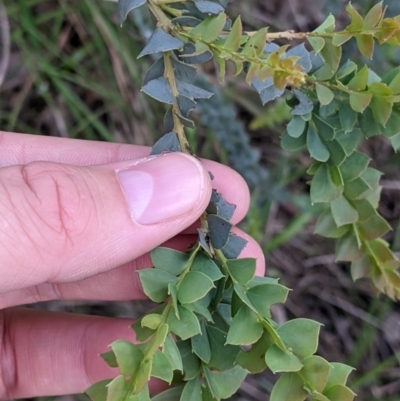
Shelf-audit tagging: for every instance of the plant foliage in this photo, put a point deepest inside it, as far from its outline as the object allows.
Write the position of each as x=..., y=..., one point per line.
x=213, y=325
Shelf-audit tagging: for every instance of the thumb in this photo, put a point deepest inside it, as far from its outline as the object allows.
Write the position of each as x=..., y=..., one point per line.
x=61, y=223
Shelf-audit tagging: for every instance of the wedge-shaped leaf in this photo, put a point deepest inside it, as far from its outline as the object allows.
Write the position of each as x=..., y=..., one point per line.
x=347, y=69
x=210, y=29
x=289, y=387
x=155, y=283
x=233, y=40
x=256, y=43
x=152, y=321
x=353, y=166
x=349, y=142
x=337, y=156
x=357, y=22
x=341, y=38
x=161, y=41
x=254, y=359
x=338, y=374
x=209, y=7
x=316, y=146
x=359, y=82
x=201, y=307
x=373, y=17
x=98, y=392
x=201, y=345
x=161, y=367
x=191, y=363
x=366, y=45
x=191, y=91
x=194, y=286
x=171, y=351
x=125, y=6
x=223, y=208
x=207, y=266
x=192, y=391
x=155, y=71
x=374, y=228
x=281, y=361
x=317, y=371
x=117, y=389
x=235, y=245
x=326, y=226
x=361, y=268
x=187, y=326
x=160, y=90
x=348, y=249
x=369, y=126
x=393, y=125
x=301, y=335
x=291, y=144
x=325, y=127
x=394, y=85
x=359, y=101
x=395, y=141
x=167, y=143
x=304, y=106
x=343, y=212
x=242, y=270
x=317, y=43
x=323, y=187
x=171, y=394
x=265, y=295
x=348, y=117
x=331, y=55
x=219, y=230
x=144, y=333
x=303, y=54
x=339, y=393
x=186, y=21
x=223, y=355
x=128, y=356
x=324, y=94
x=245, y=329
x=225, y=384
x=296, y=127
x=169, y=260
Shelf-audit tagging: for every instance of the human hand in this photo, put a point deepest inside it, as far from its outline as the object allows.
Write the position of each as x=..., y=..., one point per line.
x=77, y=219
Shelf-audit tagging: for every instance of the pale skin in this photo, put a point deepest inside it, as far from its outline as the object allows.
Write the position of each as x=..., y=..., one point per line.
x=71, y=228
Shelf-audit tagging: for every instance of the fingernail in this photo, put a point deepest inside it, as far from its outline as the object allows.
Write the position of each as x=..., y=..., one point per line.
x=162, y=188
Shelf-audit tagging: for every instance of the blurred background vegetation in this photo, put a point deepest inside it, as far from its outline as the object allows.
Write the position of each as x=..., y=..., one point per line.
x=72, y=72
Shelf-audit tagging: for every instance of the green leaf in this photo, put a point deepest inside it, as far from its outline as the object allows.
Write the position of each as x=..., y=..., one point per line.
x=143, y=374
x=152, y=321
x=338, y=156
x=187, y=326
x=201, y=345
x=169, y=260
x=171, y=394
x=192, y=391
x=98, y=391
x=254, y=359
x=357, y=22
x=343, y=212
x=317, y=370
x=194, y=286
x=171, y=351
x=289, y=387
x=359, y=82
x=161, y=367
x=369, y=126
x=158, y=339
x=323, y=188
x=394, y=85
x=292, y=144
x=348, y=117
x=219, y=230
x=128, y=356
x=324, y=94
x=317, y=43
x=332, y=55
x=356, y=189
x=341, y=38
x=222, y=356
x=225, y=384
x=339, y=393
x=242, y=270
x=117, y=389
x=349, y=142
x=338, y=374
x=213, y=28
x=360, y=101
x=255, y=45
x=316, y=147
x=160, y=41
x=234, y=38
x=155, y=283
x=208, y=7
x=173, y=292
x=245, y=329
x=125, y=6
x=327, y=227
x=301, y=335
x=191, y=363
x=347, y=248
x=374, y=228
x=296, y=127
x=109, y=358
x=265, y=295
x=353, y=166
x=281, y=361
x=373, y=17
x=203, y=264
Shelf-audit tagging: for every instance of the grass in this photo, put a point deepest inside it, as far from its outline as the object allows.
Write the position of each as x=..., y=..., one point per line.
x=74, y=73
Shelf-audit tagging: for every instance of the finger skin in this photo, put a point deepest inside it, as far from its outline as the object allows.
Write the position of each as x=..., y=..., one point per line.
x=18, y=149
x=47, y=353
